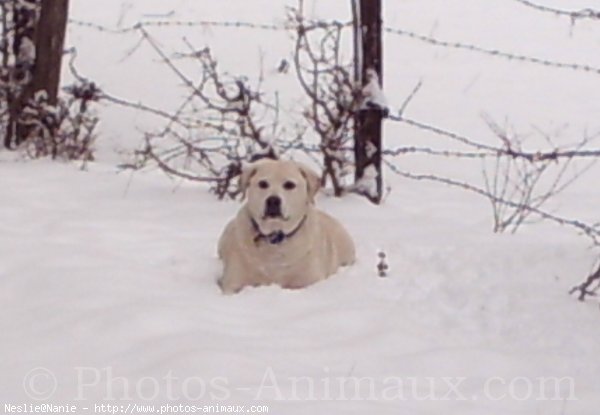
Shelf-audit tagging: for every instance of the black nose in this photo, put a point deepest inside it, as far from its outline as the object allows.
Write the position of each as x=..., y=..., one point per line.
x=273, y=206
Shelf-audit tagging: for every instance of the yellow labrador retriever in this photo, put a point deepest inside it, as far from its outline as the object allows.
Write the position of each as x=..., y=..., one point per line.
x=278, y=236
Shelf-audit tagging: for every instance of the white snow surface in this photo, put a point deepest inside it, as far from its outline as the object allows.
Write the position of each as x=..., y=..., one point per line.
x=112, y=274
x=102, y=271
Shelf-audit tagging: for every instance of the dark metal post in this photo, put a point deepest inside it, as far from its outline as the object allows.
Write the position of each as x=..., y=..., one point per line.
x=367, y=146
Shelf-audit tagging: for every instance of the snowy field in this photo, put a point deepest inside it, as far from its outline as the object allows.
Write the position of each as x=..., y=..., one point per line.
x=107, y=279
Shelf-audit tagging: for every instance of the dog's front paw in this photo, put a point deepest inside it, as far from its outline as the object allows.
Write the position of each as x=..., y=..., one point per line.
x=229, y=287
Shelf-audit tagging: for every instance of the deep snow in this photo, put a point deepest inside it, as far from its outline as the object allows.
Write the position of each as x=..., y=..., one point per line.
x=101, y=270
x=115, y=273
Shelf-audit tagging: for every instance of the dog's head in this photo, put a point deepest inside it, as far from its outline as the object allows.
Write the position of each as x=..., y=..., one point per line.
x=279, y=193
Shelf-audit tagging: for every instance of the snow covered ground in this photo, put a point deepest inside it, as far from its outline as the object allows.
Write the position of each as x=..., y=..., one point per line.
x=107, y=280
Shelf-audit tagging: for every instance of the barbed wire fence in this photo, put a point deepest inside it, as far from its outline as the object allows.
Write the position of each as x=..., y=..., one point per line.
x=223, y=121
x=574, y=15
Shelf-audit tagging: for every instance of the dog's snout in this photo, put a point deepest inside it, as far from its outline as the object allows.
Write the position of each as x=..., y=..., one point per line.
x=273, y=206
x=274, y=202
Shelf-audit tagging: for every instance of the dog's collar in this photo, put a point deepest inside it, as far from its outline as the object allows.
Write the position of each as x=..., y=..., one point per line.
x=275, y=238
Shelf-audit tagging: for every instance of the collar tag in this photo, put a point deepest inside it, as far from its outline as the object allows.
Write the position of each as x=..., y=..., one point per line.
x=276, y=237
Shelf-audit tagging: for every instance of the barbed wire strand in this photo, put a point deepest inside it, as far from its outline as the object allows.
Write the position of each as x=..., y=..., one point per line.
x=165, y=23
x=204, y=23
x=488, y=150
x=587, y=13
x=492, y=52
x=395, y=31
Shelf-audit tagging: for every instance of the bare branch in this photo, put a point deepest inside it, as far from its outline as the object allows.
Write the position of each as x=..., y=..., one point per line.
x=587, y=287
x=333, y=97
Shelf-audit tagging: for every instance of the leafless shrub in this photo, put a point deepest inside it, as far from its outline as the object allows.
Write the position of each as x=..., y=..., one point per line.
x=62, y=131
x=19, y=19
x=325, y=75
x=528, y=181
x=517, y=182
x=228, y=119
x=224, y=121
x=30, y=121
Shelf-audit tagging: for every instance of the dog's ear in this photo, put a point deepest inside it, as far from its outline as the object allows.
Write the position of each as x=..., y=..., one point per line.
x=248, y=171
x=313, y=181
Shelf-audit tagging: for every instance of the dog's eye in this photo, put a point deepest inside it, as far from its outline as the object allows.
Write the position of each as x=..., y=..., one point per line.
x=263, y=184
x=289, y=185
